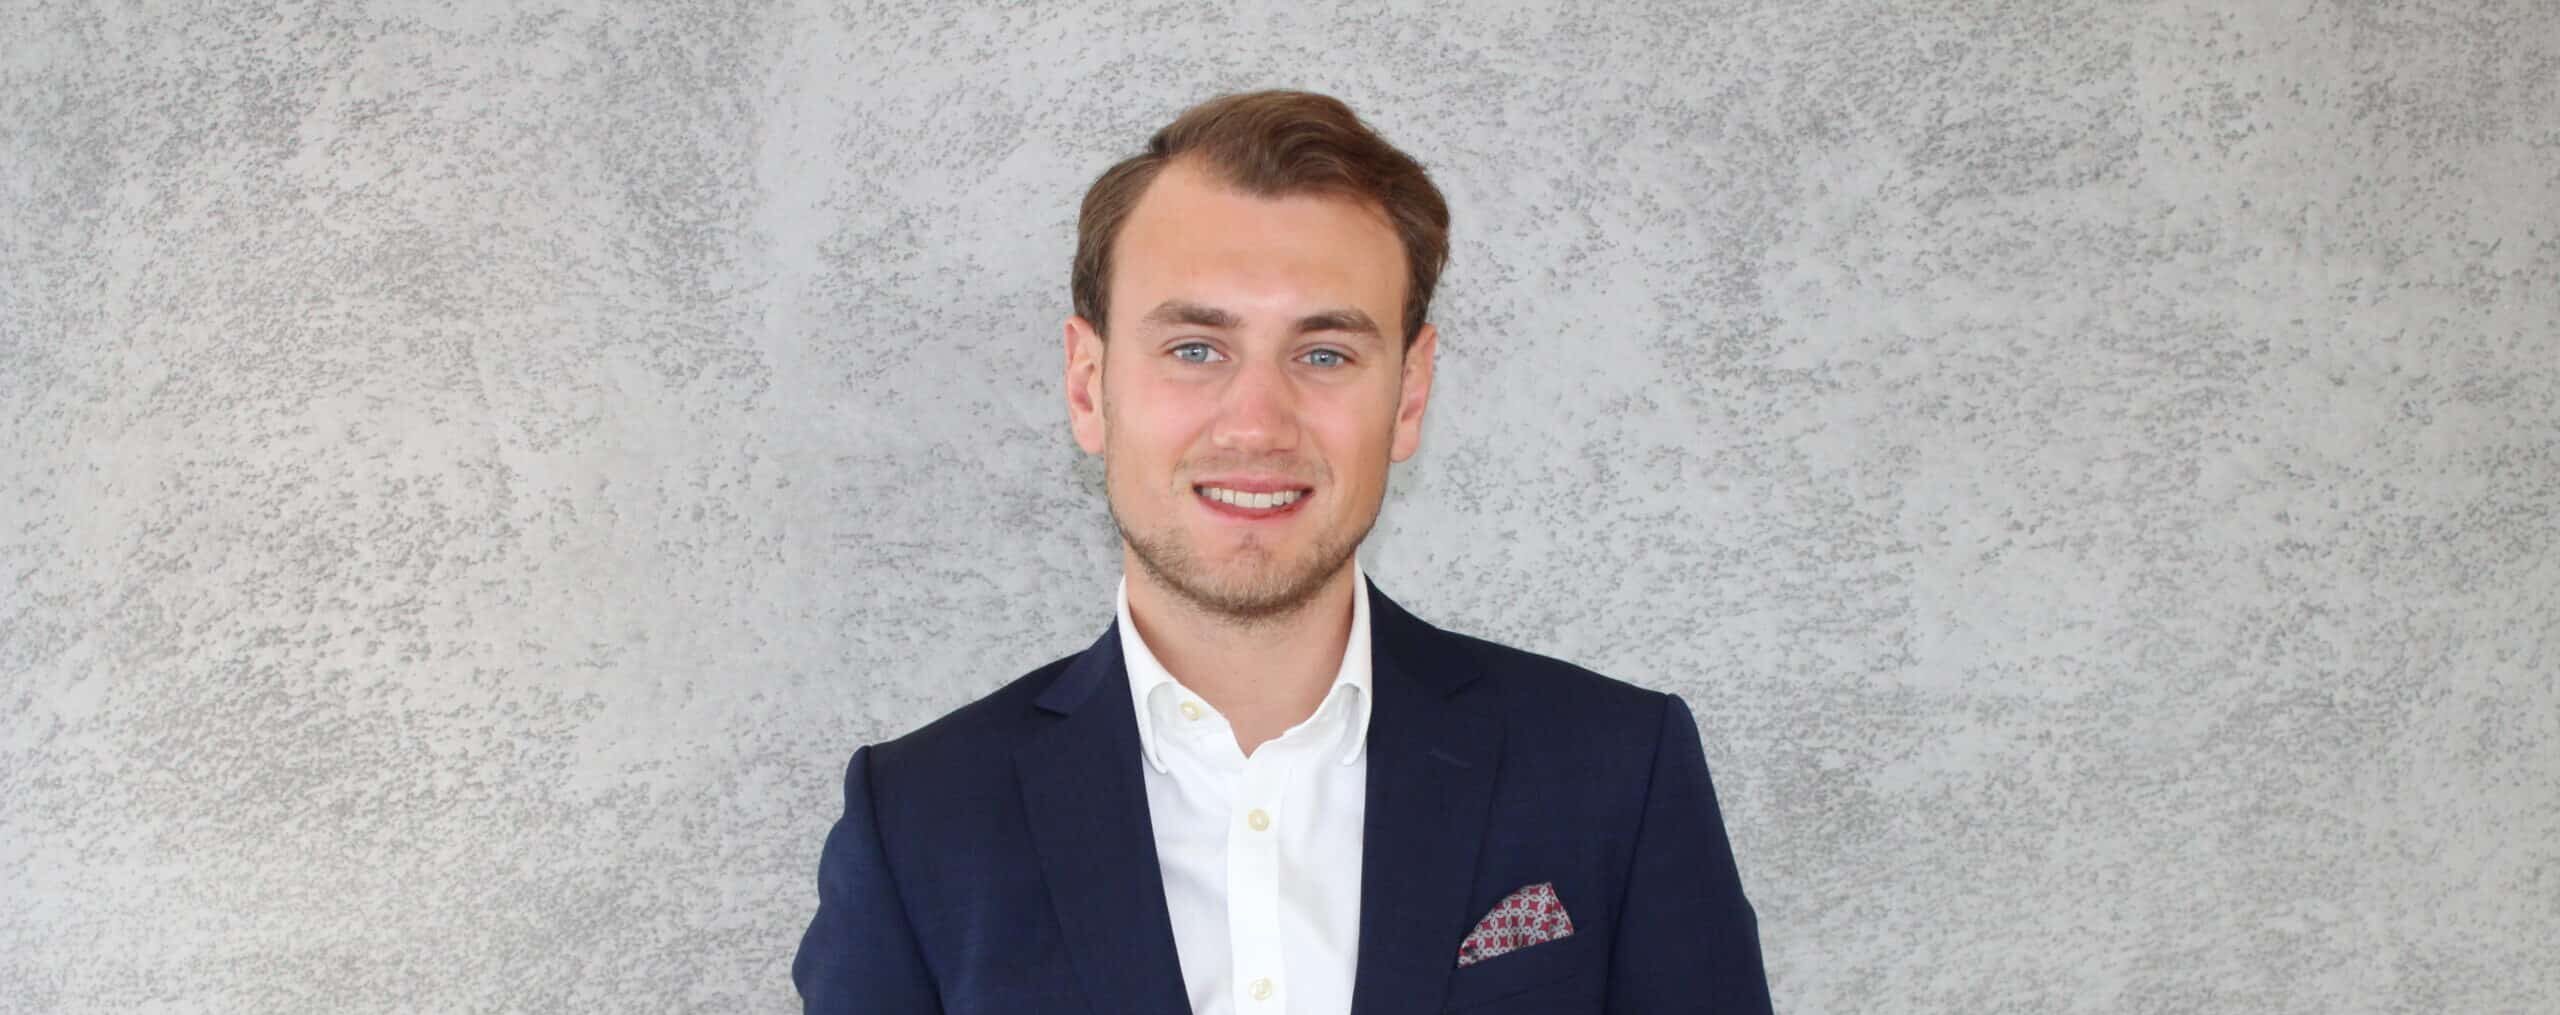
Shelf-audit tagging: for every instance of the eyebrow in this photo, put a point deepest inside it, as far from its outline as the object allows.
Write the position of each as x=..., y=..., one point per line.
x=1180, y=313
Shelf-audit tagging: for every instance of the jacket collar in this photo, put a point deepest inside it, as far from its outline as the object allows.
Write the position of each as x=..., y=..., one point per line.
x=1426, y=653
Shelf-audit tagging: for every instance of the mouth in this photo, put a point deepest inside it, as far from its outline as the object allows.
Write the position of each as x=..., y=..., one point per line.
x=1248, y=506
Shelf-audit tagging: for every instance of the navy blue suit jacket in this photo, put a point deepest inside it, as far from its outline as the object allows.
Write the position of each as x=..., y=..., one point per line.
x=1000, y=860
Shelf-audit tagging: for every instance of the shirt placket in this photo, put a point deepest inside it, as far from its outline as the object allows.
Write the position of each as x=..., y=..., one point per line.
x=1253, y=880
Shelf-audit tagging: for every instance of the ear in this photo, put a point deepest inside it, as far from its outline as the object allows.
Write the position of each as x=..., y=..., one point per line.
x=1415, y=392
x=1084, y=383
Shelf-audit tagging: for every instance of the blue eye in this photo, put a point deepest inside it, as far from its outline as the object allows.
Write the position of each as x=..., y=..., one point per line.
x=1183, y=353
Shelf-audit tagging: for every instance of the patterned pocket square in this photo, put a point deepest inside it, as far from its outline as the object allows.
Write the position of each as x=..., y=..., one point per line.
x=1526, y=917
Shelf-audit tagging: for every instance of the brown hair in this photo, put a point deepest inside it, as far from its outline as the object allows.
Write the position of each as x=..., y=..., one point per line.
x=1274, y=144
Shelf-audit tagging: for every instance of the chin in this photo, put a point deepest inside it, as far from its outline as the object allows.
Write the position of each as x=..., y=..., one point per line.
x=1249, y=583
x=1245, y=576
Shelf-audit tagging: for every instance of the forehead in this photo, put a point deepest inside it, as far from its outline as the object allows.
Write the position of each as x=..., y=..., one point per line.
x=1192, y=237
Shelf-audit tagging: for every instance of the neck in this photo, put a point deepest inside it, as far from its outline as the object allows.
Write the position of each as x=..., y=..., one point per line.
x=1265, y=675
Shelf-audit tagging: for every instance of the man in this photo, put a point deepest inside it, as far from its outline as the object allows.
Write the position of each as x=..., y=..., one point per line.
x=1267, y=788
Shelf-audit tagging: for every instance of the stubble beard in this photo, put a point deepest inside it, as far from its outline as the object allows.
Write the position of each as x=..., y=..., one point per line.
x=1267, y=591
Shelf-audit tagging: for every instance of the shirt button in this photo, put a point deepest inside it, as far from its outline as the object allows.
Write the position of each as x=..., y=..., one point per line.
x=1259, y=821
x=1262, y=989
x=1190, y=711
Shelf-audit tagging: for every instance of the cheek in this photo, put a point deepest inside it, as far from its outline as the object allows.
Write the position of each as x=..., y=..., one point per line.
x=1150, y=445
x=1353, y=453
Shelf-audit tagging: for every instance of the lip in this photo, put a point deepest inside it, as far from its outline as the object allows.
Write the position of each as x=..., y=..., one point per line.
x=1251, y=484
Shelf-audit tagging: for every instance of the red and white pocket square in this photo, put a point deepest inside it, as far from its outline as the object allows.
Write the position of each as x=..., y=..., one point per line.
x=1525, y=917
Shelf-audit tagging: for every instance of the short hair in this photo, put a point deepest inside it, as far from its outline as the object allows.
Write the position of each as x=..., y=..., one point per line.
x=1273, y=144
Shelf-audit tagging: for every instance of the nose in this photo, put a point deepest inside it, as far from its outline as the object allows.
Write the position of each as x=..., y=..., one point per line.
x=1258, y=411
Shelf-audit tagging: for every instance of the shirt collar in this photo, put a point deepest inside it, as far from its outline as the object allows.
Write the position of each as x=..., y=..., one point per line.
x=1146, y=674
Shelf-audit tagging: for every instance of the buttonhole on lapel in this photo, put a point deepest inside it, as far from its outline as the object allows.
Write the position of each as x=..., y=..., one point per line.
x=1445, y=756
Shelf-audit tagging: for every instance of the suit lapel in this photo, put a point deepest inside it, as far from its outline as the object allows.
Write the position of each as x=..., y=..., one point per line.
x=1088, y=810
x=1431, y=767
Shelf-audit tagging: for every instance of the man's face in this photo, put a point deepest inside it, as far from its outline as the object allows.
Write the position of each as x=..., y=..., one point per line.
x=1254, y=350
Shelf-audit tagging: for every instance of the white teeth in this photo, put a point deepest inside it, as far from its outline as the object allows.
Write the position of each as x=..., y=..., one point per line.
x=1257, y=501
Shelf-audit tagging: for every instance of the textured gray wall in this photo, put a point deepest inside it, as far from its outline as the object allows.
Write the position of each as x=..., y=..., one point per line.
x=470, y=473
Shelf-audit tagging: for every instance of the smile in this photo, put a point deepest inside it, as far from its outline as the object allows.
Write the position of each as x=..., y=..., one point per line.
x=1240, y=504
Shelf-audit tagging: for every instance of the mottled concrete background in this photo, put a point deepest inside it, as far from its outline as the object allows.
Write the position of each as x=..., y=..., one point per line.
x=470, y=473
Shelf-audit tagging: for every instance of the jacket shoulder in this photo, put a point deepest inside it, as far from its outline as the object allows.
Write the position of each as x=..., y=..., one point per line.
x=1544, y=680
x=977, y=735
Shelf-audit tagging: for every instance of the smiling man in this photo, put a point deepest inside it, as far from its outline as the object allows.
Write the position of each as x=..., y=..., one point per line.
x=1267, y=788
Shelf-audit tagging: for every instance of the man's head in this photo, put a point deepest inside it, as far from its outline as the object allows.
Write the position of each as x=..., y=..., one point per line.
x=1264, y=272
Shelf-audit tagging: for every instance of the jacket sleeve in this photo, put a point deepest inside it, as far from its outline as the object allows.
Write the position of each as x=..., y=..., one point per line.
x=859, y=954
x=1687, y=940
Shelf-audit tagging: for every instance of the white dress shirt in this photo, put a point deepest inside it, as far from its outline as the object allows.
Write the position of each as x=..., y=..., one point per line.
x=1261, y=854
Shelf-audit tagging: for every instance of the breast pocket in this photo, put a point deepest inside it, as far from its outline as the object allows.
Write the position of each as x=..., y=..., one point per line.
x=1560, y=968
